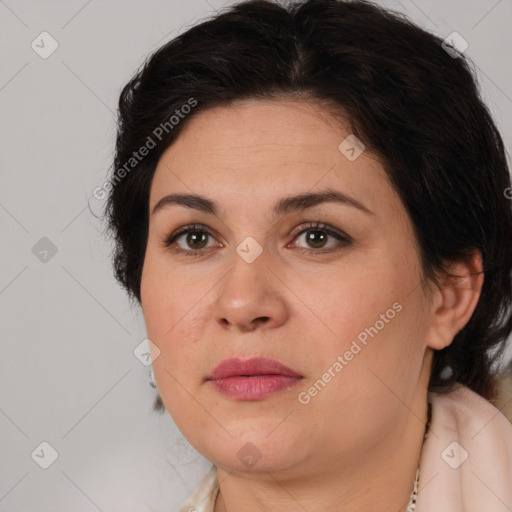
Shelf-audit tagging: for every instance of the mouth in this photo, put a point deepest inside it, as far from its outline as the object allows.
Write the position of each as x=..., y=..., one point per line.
x=236, y=367
x=252, y=379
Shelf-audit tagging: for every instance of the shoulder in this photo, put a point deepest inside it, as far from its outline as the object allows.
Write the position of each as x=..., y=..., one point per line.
x=464, y=411
x=466, y=460
x=504, y=399
x=203, y=498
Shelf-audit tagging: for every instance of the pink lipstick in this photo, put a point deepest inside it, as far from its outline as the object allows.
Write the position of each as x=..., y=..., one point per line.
x=252, y=379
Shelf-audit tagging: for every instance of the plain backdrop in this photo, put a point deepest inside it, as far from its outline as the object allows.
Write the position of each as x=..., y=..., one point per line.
x=68, y=374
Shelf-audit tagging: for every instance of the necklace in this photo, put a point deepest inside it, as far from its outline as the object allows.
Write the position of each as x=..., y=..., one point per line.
x=411, y=507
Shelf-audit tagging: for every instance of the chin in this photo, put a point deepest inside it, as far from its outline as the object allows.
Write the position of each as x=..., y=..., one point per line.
x=254, y=452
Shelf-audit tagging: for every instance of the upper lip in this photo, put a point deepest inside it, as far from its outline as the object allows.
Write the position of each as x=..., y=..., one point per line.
x=236, y=367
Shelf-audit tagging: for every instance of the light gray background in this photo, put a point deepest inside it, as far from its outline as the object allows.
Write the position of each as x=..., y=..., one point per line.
x=68, y=375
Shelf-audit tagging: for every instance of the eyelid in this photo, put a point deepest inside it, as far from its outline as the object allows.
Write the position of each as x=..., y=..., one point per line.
x=185, y=229
x=341, y=236
x=305, y=226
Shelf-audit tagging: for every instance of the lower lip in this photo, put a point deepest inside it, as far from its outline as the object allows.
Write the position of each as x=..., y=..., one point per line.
x=255, y=387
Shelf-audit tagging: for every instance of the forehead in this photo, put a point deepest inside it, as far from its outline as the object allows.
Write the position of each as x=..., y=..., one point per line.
x=268, y=129
x=253, y=151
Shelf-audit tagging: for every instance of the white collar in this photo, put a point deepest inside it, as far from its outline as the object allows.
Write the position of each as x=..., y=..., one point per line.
x=463, y=423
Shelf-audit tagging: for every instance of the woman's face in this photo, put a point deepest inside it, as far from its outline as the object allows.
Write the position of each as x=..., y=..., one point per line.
x=340, y=304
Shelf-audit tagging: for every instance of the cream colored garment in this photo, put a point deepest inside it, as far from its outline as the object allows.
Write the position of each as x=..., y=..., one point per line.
x=466, y=461
x=467, y=430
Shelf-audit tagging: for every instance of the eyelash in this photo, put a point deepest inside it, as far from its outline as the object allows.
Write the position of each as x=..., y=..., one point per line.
x=343, y=238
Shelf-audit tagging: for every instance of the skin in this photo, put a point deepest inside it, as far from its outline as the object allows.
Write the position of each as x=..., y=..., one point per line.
x=356, y=444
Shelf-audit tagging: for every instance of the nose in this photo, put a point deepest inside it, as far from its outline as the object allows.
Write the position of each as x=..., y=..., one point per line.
x=250, y=297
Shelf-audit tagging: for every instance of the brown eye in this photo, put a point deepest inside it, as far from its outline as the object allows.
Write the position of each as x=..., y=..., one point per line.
x=196, y=239
x=316, y=237
x=190, y=239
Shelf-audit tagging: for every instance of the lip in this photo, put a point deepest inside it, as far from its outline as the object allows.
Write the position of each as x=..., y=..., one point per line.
x=252, y=379
x=236, y=367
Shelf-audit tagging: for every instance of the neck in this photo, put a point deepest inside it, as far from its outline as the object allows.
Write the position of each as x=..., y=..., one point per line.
x=382, y=480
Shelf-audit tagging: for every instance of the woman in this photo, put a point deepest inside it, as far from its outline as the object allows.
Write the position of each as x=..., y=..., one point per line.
x=309, y=204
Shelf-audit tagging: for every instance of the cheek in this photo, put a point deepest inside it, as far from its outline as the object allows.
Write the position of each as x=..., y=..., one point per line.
x=169, y=300
x=155, y=303
x=371, y=315
x=355, y=297
x=176, y=312
x=173, y=324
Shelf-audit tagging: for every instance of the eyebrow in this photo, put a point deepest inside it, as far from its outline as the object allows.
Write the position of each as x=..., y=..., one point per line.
x=286, y=205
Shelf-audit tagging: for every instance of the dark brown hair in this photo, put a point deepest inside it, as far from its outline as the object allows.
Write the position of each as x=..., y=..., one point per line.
x=413, y=103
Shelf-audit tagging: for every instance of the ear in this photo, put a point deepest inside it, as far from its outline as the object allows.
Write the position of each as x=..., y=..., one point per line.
x=453, y=303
